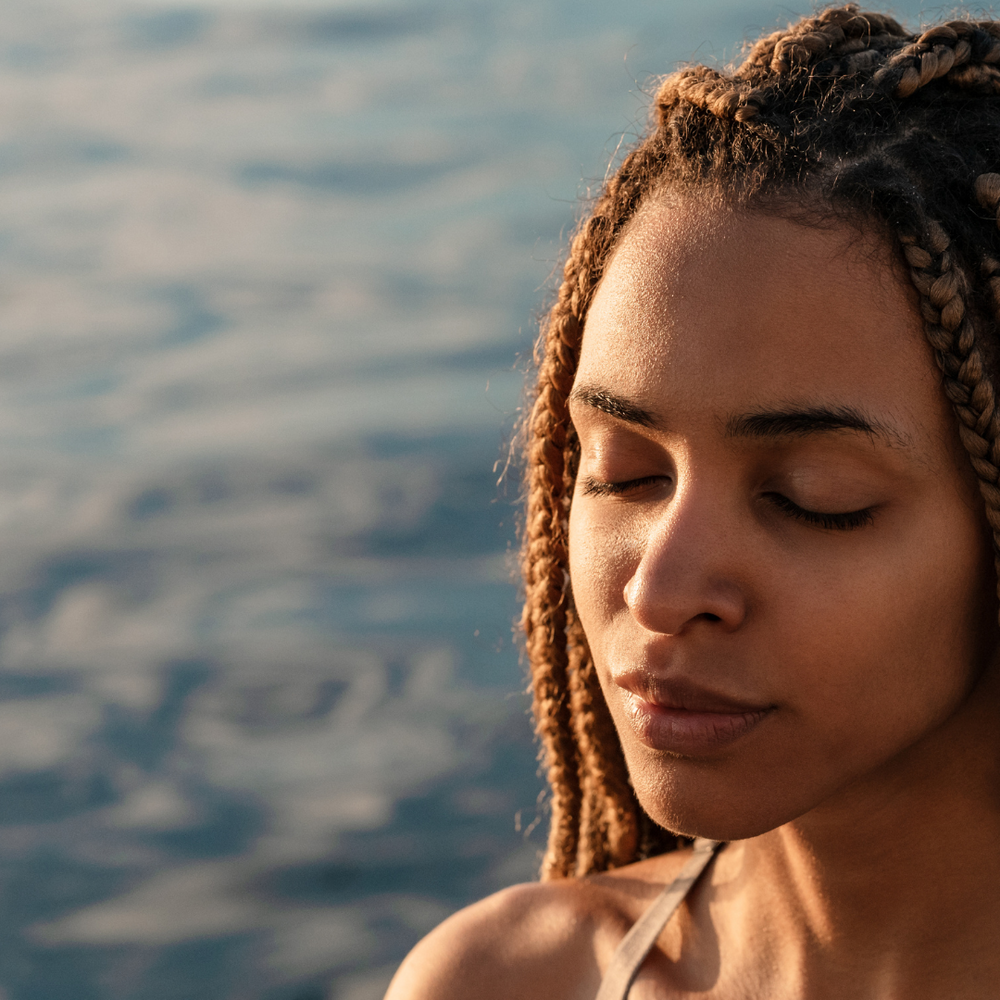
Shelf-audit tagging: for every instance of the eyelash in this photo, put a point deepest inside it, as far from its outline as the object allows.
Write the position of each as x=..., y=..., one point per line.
x=845, y=521
x=595, y=488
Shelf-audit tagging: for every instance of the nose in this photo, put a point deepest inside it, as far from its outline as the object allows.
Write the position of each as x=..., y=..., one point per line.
x=689, y=573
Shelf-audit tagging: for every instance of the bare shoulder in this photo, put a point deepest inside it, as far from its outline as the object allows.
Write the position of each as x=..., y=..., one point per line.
x=547, y=940
x=521, y=942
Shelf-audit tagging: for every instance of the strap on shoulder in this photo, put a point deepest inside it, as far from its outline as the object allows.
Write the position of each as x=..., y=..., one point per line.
x=636, y=945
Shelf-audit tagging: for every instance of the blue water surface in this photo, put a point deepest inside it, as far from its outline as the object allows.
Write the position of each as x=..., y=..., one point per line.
x=270, y=276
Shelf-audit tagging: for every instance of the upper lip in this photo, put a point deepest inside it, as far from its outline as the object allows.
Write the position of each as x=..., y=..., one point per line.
x=686, y=695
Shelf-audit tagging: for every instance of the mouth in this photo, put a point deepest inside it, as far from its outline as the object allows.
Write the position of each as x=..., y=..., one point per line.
x=685, y=720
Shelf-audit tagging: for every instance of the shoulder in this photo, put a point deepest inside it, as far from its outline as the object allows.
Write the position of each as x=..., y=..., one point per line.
x=522, y=942
x=548, y=940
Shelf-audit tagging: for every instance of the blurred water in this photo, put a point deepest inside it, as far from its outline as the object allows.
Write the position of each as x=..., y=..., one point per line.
x=266, y=272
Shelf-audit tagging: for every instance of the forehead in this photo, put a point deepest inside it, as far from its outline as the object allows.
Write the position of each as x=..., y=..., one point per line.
x=704, y=306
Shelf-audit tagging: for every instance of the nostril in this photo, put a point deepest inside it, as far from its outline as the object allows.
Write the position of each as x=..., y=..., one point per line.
x=708, y=616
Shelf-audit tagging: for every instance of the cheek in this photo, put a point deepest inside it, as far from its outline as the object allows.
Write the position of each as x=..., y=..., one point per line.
x=876, y=652
x=602, y=558
x=940, y=608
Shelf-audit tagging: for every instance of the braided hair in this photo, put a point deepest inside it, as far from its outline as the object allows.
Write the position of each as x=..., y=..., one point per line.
x=845, y=112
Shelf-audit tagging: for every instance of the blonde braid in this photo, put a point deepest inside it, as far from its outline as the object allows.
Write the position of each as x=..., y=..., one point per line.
x=544, y=562
x=610, y=809
x=964, y=52
x=837, y=32
x=571, y=765
x=944, y=293
x=834, y=32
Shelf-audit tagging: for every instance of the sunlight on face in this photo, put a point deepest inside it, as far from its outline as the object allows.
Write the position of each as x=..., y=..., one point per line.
x=777, y=549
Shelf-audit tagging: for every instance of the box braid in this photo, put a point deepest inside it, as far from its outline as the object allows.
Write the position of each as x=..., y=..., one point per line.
x=845, y=114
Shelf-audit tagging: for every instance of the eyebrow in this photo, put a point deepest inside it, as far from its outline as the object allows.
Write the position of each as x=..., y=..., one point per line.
x=615, y=406
x=792, y=421
x=799, y=422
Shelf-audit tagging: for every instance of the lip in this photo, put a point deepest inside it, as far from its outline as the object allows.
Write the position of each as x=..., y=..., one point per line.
x=684, y=719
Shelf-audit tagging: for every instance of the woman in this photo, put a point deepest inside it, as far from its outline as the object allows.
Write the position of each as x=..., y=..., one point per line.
x=759, y=552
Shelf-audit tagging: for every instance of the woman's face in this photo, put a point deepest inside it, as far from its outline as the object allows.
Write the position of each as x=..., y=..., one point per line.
x=777, y=548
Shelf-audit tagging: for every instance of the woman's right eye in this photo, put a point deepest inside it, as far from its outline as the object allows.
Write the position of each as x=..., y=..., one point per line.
x=595, y=488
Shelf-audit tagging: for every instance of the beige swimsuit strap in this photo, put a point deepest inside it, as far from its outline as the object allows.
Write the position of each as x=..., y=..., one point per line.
x=639, y=941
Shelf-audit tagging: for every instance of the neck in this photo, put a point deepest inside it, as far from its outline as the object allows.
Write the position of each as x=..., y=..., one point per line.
x=892, y=886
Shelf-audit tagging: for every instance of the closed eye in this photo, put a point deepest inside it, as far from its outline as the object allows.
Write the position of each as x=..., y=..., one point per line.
x=596, y=488
x=845, y=521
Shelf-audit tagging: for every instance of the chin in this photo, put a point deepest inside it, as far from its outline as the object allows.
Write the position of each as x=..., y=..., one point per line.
x=701, y=808
x=713, y=826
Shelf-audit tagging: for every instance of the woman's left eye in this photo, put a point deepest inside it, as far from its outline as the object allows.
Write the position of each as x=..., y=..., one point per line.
x=843, y=521
x=595, y=488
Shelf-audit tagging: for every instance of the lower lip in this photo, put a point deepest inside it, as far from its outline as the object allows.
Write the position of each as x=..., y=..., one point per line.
x=686, y=733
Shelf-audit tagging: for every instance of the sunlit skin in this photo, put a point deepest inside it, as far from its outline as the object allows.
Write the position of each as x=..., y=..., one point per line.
x=780, y=560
